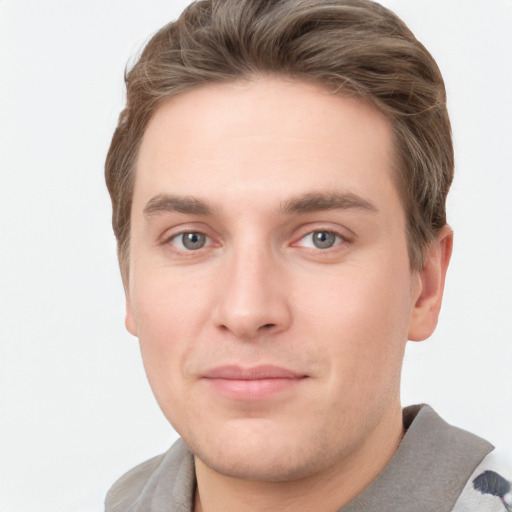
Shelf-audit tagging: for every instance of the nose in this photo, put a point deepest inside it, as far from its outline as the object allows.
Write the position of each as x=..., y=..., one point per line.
x=252, y=295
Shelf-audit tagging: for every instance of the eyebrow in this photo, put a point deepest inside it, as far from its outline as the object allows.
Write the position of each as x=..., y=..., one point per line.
x=320, y=201
x=307, y=203
x=165, y=203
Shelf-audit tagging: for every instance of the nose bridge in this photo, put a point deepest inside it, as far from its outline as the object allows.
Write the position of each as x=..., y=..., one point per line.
x=252, y=298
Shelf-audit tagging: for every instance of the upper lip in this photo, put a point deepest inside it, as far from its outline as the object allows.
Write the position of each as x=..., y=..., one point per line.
x=234, y=372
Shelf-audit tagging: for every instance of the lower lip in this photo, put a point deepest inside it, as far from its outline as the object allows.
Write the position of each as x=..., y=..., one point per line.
x=253, y=389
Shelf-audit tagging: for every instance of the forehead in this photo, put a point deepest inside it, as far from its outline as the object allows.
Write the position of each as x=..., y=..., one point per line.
x=269, y=137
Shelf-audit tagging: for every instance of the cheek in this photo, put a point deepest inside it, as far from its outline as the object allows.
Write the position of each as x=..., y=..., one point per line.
x=361, y=319
x=167, y=306
x=168, y=319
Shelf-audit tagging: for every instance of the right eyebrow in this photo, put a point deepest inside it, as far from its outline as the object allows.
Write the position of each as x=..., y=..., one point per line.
x=165, y=203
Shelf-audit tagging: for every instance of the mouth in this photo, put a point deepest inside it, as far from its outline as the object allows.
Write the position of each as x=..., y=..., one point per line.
x=252, y=383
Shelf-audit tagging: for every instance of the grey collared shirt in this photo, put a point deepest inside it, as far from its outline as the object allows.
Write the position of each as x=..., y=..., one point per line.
x=427, y=473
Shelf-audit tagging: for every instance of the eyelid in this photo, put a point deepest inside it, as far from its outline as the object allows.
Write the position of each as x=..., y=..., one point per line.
x=339, y=240
x=344, y=233
x=208, y=241
x=169, y=235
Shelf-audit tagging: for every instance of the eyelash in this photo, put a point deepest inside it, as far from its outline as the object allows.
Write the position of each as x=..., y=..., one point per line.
x=340, y=239
x=169, y=240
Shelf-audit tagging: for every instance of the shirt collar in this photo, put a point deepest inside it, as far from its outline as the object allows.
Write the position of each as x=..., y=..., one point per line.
x=429, y=469
x=427, y=473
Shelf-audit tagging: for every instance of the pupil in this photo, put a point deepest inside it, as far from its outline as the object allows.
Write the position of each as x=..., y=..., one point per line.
x=193, y=240
x=323, y=239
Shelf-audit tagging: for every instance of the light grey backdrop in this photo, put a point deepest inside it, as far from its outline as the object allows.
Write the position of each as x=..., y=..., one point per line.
x=75, y=407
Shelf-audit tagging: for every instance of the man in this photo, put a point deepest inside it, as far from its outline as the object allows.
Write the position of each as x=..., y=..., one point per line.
x=278, y=180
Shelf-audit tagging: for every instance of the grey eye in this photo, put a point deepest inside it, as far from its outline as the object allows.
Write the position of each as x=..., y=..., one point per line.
x=193, y=241
x=323, y=239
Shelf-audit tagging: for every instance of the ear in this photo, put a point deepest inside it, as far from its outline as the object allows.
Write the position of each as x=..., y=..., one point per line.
x=431, y=278
x=129, y=320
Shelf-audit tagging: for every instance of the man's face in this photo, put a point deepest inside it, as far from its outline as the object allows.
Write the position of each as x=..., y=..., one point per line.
x=269, y=279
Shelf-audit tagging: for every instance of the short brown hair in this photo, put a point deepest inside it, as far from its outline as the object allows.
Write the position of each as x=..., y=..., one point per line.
x=353, y=46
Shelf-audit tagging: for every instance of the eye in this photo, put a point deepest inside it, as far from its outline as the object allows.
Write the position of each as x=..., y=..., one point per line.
x=190, y=241
x=321, y=240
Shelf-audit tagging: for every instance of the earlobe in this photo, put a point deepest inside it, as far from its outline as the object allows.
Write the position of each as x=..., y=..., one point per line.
x=431, y=278
x=129, y=320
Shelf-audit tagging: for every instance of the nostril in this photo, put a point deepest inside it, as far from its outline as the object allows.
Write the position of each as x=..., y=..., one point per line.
x=267, y=326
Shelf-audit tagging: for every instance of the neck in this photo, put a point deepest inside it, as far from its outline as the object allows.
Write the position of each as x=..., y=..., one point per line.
x=325, y=491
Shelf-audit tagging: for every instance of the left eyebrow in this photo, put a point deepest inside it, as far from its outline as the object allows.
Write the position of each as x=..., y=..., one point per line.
x=320, y=201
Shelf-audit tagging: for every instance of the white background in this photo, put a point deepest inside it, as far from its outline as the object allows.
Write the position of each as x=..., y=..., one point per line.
x=75, y=408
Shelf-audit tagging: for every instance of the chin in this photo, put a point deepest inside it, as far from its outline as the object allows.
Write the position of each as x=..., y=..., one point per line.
x=264, y=455
x=260, y=466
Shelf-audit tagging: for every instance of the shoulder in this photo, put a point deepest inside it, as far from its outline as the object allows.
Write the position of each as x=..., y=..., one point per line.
x=168, y=477
x=489, y=489
x=129, y=486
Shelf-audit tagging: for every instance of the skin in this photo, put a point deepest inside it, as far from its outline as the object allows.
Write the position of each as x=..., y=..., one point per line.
x=239, y=163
